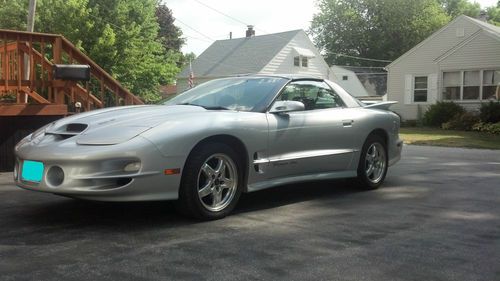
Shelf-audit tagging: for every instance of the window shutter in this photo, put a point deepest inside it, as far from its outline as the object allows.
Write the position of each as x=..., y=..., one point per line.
x=432, y=85
x=408, y=88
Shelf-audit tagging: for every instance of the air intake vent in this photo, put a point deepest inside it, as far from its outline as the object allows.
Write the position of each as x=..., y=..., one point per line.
x=68, y=131
x=76, y=128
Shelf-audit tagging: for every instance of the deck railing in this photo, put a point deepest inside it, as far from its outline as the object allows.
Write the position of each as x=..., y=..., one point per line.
x=26, y=66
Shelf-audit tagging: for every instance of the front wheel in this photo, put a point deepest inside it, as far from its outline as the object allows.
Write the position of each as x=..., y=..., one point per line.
x=372, y=167
x=211, y=182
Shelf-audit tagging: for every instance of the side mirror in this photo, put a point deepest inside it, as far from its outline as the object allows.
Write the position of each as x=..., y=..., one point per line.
x=287, y=106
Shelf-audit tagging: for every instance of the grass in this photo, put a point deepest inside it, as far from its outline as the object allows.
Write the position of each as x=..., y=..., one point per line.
x=449, y=138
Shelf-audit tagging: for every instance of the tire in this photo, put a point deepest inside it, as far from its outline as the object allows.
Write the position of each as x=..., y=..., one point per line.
x=211, y=182
x=373, y=163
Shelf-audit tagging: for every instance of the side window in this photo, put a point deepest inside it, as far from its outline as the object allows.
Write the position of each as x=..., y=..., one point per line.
x=313, y=94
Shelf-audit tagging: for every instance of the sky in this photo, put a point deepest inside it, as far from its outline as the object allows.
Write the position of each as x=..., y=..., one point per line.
x=204, y=21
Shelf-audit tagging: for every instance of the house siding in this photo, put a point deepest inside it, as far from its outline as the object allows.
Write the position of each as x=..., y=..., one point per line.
x=468, y=56
x=283, y=61
x=351, y=85
x=422, y=60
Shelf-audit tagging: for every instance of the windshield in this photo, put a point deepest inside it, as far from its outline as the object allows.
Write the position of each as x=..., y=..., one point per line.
x=238, y=93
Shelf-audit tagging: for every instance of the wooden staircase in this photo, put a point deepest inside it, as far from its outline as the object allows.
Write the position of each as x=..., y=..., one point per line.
x=36, y=92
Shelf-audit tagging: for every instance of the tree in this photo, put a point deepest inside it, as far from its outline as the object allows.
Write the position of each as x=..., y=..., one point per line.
x=186, y=58
x=169, y=34
x=494, y=14
x=13, y=14
x=72, y=18
x=380, y=29
x=121, y=36
x=455, y=8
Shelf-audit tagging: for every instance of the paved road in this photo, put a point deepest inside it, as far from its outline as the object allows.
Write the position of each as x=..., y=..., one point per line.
x=436, y=218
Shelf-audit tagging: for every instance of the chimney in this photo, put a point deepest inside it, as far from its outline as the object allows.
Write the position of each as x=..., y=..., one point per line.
x=250, y=32
x=483, y=16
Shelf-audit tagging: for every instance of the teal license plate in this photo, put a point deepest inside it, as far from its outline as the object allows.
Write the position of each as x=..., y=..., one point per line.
x=32, y=171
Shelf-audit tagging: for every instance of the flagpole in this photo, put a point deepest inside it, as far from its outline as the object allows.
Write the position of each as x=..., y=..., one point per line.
x=191, y=75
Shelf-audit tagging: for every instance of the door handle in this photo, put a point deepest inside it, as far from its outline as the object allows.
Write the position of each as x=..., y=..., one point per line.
x=347, y=123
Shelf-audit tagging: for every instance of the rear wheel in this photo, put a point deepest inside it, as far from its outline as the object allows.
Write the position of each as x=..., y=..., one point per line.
x=211, y=182
x=372, y=167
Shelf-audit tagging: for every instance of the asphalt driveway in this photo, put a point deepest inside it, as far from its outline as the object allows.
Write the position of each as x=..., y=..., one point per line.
x=436, y=218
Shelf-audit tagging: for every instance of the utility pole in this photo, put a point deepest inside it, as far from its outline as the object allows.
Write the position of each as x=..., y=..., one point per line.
x=30, y=27
x=31, y=15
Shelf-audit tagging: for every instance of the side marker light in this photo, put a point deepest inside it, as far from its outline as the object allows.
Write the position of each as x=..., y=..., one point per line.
x=172, y=171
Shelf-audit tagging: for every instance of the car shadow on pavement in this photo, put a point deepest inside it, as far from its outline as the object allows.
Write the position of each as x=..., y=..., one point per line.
x=295, y=193
x=134, y=216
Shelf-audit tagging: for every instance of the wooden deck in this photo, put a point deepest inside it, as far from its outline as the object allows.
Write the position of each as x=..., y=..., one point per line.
x=33, y=109
x=27, y=85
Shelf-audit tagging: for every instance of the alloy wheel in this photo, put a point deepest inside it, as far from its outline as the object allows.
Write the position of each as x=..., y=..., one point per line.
x=217, y=182
x=375, y=162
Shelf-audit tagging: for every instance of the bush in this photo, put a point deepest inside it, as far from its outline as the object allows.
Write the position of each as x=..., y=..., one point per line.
x=490, y=112
x=464, y=122
x=492, y=128
x=441, y=112
x=409, y=123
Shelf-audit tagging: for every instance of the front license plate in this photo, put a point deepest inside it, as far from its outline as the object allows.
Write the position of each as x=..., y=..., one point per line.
x=32, y=171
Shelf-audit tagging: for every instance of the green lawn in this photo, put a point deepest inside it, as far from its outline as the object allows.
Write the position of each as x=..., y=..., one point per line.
x=438, y=137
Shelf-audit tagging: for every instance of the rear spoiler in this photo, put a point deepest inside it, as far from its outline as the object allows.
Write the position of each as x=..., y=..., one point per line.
x=381, y=105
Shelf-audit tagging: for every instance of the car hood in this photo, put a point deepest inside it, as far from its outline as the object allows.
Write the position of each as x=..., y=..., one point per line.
x=116, y=125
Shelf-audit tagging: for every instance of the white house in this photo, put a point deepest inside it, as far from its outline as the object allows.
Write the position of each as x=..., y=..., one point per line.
x=459, y=63
x=290, y=52
x=348, y=80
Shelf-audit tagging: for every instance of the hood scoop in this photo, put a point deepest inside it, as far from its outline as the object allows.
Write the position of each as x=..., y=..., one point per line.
x=69, y=130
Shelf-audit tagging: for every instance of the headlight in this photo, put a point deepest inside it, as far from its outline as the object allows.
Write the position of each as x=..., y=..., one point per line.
x=133, y=167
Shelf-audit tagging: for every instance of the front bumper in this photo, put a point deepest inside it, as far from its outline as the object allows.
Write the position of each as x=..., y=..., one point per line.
x=395, y=152
x=97, y=172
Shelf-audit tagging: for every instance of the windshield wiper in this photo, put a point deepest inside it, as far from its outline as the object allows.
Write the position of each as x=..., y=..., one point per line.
x=187, y=103
x=215, y=107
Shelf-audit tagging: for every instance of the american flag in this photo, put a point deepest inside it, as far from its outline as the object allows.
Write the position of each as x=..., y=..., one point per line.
x=191, y=76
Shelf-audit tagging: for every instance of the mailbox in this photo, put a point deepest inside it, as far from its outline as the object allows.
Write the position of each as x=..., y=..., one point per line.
x=75, y=72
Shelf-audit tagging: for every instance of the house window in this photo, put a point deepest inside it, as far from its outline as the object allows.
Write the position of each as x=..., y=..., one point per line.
x=471, y=85
x=304, y=61
x=300, y=61
x=451, y=85
x=420, y=89
x=345, y=77
x=491, y=81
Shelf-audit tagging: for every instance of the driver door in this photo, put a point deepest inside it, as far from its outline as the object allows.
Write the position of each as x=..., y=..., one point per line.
x=315, y=140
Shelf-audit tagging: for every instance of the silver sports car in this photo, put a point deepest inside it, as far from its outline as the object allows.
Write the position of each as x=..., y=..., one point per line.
x=209, y=144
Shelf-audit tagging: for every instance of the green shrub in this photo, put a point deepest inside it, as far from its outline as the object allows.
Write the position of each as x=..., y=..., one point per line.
x=409, y=123
x=492, y=128
x=441, y=112
x=490, y=112
x=464, y=121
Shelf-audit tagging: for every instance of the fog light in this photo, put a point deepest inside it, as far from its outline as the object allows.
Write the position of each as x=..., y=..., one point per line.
x=55, y=176
x=132, y=167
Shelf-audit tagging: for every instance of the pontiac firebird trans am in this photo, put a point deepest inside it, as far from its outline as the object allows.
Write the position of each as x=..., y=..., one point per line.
x=206, y=146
